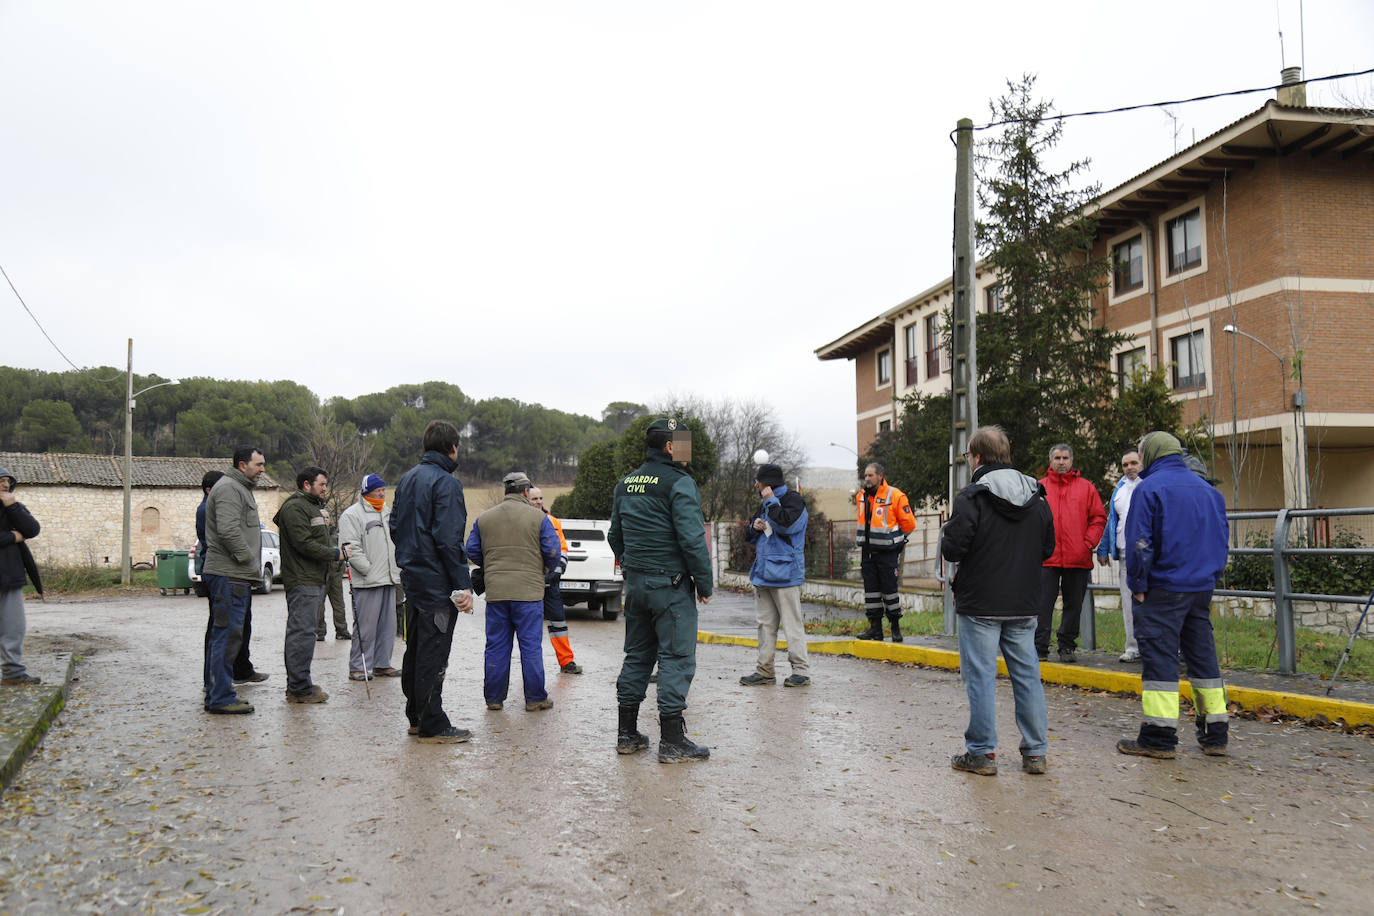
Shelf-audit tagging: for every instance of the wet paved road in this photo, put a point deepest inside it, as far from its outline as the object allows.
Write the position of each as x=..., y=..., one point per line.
x=838, y=798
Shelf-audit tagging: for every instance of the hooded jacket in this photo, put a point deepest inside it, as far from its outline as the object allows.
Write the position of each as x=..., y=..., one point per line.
x=428, y=516
x=1176, y=532
x=1079, y=519
x=999, y=532
x=371, y=555
x=15, y=560
x=779, y=557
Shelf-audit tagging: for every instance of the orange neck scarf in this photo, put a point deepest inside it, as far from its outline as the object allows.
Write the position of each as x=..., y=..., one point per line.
x=375, y=502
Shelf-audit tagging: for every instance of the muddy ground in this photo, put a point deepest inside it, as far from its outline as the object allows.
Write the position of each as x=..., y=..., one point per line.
x=836, y=798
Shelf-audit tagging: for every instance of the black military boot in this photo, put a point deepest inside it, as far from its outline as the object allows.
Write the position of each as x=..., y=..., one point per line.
x=673, y=746
x=629, y=739
x=896, y=630
x=875, y=629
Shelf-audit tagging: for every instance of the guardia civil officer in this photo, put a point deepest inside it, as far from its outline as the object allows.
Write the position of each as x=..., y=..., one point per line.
x=659, y=537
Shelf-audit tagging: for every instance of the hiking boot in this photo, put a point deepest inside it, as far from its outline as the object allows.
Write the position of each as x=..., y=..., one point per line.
x=1134, y=747
x=343, y=635
x=982, y=764
x=571, y=668
x=1067, y=656
x=628, y=738
x=23, y=680
x=537, y=705
x=1033, y=764
x=1213, y=750
x=673, y=744
x=359, y=676
x=797, y=680
x=253, y=677
x=236, y=708
x=450, y=735
x=874, y=631
x=757, y=680
x=387, y=672
x=497, y=705
x=413, y=730
x=1042, y=654
x=314, y=695
x=896, y=632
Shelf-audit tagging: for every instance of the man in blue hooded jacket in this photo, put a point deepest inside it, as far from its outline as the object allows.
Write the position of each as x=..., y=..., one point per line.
x=1176, y=537
x=778, y=533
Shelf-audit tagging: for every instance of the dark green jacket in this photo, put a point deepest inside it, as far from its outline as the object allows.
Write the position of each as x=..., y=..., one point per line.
x=307, y=550
x=656, y=522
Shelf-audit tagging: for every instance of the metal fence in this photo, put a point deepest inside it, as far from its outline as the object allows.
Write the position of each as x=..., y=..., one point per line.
x=832, y=553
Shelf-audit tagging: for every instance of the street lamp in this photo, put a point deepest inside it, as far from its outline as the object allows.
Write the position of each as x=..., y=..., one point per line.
x=1299, y=424
x=846, y=448
x=126, y=560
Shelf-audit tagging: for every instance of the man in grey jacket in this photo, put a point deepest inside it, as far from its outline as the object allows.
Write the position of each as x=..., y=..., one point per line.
x=365, y=536
x=233, y=563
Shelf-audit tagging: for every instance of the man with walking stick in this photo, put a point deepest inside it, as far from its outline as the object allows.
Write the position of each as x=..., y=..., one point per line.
x=365, y=535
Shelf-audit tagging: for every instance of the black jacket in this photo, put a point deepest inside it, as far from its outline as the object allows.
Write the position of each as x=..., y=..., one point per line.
x=1000, y=532
x=14, y=559
x=428, y=516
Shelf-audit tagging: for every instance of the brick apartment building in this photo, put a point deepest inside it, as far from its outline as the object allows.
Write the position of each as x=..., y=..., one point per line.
x=1266, y=227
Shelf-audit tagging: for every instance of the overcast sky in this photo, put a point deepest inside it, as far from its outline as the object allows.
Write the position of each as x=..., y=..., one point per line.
x=568, y=203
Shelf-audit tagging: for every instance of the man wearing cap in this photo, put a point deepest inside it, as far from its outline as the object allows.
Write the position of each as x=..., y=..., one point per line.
x=365, y=538
x=427, y=521
x=515, y=544
x=554, y=613
x=17, y=525
x=659, y=538
x=1176, y=538
x=778, y=533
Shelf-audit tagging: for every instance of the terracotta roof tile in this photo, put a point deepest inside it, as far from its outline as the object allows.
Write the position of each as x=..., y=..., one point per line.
x=59, y=469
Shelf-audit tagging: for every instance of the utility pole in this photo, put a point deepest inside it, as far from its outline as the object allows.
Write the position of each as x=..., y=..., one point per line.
x=963, y=333
x=125, y=570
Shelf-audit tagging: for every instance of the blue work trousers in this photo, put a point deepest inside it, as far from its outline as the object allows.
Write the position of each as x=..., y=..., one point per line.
x=508, y=621
x=230, y=600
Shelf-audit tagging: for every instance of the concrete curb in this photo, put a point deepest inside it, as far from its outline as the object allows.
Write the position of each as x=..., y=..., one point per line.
x=1249, y=698
x=45, y=703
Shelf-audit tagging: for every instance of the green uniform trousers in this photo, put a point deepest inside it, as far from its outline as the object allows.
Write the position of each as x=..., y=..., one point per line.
x=660, y=625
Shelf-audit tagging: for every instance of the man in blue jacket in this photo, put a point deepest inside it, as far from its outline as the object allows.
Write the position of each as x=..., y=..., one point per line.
x=778, y=533
x=428, y=516
x=1113, y=544
x=1176, y=536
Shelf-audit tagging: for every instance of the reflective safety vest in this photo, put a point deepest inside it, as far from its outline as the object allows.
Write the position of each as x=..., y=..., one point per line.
x=888, y=520
x=558, y=527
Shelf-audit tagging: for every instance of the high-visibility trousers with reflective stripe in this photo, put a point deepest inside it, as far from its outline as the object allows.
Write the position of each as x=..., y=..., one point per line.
x=1168, y=623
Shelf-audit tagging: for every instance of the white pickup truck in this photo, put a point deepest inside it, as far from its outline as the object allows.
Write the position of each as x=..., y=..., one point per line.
x=593, y=577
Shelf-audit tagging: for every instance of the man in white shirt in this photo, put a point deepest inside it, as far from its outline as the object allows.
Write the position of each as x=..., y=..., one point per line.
x=1113, y=543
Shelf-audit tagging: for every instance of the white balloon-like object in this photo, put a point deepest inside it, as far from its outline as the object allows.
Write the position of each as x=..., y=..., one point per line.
x=761, y=456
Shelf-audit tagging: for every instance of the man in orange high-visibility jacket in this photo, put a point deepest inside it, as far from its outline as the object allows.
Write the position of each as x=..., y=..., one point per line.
x=554, y=613
x=885, y=519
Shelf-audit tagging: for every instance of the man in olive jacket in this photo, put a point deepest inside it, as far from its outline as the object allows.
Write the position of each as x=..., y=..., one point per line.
x=233, y=563
x=16, y=527
x=307, y=550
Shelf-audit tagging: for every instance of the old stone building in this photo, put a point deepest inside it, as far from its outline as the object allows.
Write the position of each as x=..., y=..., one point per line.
x=79, y=501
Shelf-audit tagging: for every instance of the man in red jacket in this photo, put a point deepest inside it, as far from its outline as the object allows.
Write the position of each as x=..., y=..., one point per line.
x=1079, y=520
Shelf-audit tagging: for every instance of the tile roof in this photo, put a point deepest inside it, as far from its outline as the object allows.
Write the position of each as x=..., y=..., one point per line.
x=57, y=469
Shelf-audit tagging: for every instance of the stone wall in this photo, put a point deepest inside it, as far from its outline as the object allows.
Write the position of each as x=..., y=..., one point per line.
x=84, y=526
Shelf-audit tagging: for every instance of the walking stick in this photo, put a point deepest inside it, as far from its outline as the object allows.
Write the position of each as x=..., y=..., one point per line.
x=357, y=633
x=1345, y=656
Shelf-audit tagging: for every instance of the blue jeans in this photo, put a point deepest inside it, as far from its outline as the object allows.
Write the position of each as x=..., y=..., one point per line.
x=507, y=621
x=979, y=642
x=229, y=603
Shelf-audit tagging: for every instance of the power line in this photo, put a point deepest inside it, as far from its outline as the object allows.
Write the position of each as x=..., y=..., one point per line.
x=1197, y=98
x=44, y=331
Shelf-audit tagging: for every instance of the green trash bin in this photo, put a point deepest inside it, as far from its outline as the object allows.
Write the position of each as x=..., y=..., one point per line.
x=173, y=572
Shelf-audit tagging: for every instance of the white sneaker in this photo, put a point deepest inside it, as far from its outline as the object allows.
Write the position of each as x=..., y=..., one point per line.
x=1129, y=657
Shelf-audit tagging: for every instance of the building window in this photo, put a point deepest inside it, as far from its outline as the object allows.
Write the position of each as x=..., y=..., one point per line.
x=885, y=366
x=884, y=426
x=1126, y=364
x=1190, y=368
x=992, y=298
x=1128, y=266
x=1184, y=234
x=932, y=345
x=151, y=520
x=912, y=338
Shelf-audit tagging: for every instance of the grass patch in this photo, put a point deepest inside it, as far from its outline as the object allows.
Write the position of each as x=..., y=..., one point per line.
x=1240, y=643
x=77, y=580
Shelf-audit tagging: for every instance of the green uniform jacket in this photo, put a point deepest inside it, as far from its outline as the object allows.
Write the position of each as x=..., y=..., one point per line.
x=307, y=550
x=656, y=523
x=233, y=537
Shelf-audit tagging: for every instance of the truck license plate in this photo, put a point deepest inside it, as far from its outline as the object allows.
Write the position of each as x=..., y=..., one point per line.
x=576, y=585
